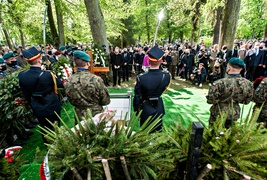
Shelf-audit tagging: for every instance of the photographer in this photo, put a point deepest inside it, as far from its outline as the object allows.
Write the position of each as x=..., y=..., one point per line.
x=199, y=75
x=203, y=57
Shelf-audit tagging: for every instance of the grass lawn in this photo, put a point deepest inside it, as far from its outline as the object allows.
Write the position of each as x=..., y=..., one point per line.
x=183, y=102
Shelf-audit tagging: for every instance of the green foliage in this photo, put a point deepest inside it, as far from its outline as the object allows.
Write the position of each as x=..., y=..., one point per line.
x=84, y=149
x=10, y=171
x=14, y=110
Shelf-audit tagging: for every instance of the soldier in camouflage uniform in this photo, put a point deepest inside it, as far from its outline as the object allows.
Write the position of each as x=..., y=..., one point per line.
x=260, y=97
x=226, y=94
x=175, y=57
x=85, y=90
x=12, y=64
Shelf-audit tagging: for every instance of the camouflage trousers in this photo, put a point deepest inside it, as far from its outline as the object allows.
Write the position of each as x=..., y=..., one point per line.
x=217, y=110
x=263, y=114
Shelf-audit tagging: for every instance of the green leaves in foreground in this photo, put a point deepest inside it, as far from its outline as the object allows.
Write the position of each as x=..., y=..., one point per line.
x=84, y=146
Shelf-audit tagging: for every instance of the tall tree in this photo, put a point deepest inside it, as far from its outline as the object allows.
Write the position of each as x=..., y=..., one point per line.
x=60, y=22
x=52, y=23
x=229, y=22
x=217, y=25
x=97, y=23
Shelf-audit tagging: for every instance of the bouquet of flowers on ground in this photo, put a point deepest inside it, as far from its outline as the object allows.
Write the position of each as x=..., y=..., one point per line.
x=62, y=69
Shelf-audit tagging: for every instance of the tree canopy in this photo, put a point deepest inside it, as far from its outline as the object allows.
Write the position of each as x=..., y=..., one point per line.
x=126, y=22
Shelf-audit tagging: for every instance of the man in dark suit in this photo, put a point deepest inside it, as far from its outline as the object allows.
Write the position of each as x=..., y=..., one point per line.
x=258, y=62
x=116, y=60
x=149, y=88
x=125, y=67
x=39, y=89
x=225, y=55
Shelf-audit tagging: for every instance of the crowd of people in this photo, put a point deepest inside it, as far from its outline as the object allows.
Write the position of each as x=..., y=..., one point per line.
x=239, y=66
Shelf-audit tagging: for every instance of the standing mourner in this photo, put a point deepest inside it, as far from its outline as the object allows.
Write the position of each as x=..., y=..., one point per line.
x=116, y=61
x=85, y=90
x=225, y=55
x=226, y=94
x=39, y=88
x=125, y=67
x=175, y=57
x=2, y=68
x=149, y=88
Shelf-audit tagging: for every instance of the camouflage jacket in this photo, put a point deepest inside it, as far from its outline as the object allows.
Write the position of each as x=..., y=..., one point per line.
x=85, y=90
x=260, y=94
x=232, y=89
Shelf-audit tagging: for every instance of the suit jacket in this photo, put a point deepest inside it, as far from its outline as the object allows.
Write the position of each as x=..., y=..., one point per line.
x=258, y=58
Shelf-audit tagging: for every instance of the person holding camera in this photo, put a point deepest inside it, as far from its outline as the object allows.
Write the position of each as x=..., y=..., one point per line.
x=225, y=55
x=149, y=88
x=39, y=88
x=200, y=74
x=226, y=94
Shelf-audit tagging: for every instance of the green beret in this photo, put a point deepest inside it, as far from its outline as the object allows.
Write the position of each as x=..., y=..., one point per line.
x=69, y=49
x=81, y=55
x=2, y=60
x=8, y=55
x=237, y=62
x=62, y=48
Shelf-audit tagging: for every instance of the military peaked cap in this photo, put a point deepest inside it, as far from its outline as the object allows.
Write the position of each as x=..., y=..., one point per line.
x=31, y=54
x=155, y=54
x=81, y=55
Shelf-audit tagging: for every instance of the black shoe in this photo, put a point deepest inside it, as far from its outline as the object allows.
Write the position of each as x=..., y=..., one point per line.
x=173, y=78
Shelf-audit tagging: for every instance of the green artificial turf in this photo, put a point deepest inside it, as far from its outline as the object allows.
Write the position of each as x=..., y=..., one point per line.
x=184, y=105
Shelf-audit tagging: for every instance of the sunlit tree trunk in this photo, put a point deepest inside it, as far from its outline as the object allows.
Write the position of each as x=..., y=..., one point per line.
x=8, y=40
x=229, y=22
x=22, y=38
x=216, y=29
x=97, y=23
x=60, y=24
x=52, y=23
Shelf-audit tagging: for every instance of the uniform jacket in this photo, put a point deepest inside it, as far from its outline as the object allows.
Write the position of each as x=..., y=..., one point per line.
x=87, y=91
x=44, y=87
x=229, y=91
x=150, y=84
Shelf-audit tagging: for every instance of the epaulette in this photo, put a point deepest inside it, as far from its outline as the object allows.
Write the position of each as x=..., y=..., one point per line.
x=141, y=74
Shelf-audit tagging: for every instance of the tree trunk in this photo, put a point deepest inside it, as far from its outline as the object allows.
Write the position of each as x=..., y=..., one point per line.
x=216, y=29
x=229, y=22
x=22, y=38
x=194, y=21
x=97, y=23
x=181, y=36
x=8, y=39
x=265, y=32
x=52, y=24
x=147, y=23
x=60, y=24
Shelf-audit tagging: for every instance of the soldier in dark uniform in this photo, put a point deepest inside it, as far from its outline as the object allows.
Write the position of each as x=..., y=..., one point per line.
x=149, y=88
x=226, y=94
x=39, y=88
x=85, y=90
x=2, y=68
